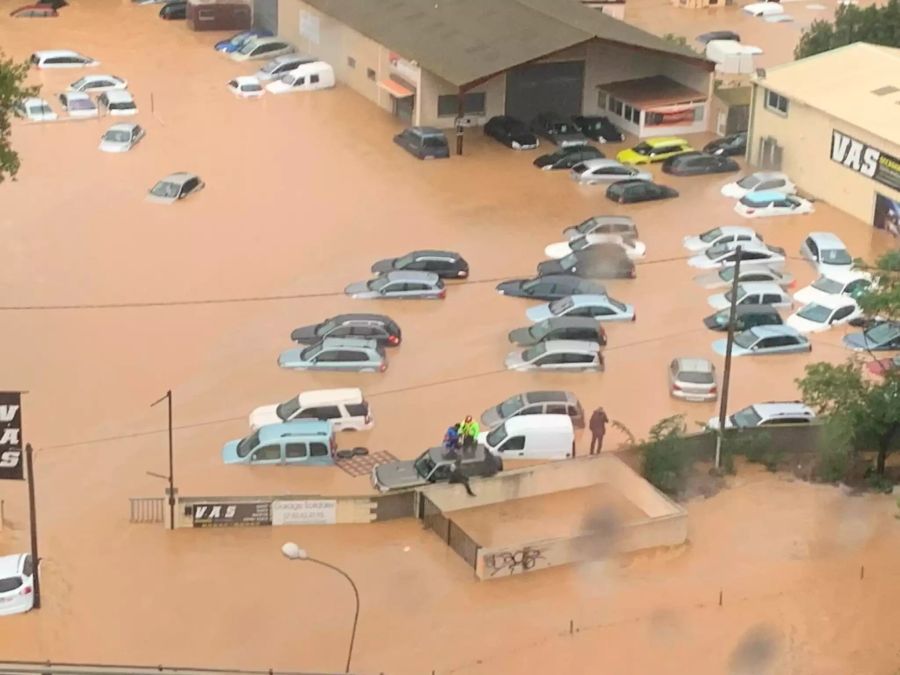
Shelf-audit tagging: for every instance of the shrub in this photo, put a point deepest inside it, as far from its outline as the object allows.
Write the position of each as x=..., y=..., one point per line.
x=664, y=465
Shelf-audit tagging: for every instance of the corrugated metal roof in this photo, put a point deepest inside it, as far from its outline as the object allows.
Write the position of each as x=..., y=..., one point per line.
x=463, y=41
x=851, y=73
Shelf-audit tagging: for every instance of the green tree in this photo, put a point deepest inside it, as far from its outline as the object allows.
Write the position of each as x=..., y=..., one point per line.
x=878, y=25
x=664, y=462
x=867, y=412
x=883, y=297
x=12, y=92
x=679, y=40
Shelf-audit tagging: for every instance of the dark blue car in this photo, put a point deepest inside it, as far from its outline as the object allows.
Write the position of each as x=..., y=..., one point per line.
x=235, y=42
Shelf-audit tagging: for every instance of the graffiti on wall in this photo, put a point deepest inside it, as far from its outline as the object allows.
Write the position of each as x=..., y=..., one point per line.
x=513, y=562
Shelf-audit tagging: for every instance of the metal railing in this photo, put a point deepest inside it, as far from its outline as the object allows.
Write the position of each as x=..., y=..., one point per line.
x=147, y=509
x=49, y=668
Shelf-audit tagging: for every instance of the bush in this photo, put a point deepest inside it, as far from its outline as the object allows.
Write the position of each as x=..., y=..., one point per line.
x=836, y=451
x=663, y=463
x=756, y=447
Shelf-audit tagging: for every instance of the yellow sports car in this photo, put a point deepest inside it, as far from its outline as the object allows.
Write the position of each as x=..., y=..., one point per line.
x=654, y=150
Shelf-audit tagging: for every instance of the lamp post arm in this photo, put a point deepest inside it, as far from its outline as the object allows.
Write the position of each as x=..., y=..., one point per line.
x=356, y=597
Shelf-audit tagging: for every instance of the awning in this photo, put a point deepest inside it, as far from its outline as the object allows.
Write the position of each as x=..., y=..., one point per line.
x=395, y=89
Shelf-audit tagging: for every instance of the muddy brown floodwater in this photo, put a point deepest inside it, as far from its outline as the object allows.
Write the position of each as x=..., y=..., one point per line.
x=304, y=192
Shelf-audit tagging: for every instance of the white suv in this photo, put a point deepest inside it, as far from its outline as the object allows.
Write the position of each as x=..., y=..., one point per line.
x=767, y=414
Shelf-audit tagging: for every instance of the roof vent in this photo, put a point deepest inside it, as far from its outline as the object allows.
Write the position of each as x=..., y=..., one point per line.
x=884, y=91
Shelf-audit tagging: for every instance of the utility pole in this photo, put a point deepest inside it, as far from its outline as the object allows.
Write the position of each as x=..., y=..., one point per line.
x=729, y=343
x=32, y=518
x=171, y=476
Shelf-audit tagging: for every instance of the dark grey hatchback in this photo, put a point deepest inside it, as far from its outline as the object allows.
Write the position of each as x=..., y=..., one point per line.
x=423, y=142
x=560, y=328
x=446, y=264
x=378, y=327
x=550, y=287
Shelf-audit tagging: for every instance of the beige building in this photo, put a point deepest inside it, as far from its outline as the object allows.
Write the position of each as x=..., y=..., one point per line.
x=832, y=123
x=431, y=63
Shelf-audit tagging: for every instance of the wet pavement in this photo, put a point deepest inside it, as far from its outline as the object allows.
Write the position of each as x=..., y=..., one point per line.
x=303, y=193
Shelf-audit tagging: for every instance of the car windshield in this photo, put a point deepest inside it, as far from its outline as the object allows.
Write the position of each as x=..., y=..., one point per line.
x=510, y=406
x=532, y=353
x=835, y=256
x=247, y=444
x=497, y=436
x=740, y=293
x=310, y=352
x=827, y=285
x=580, y=244
x=79, y=83
x=746, y=339
x=727, y=274
x=569, y=261
x=248, y=47
x=238, y=39
x=711, y=235
x=882, y=333
x=270, y=66
x=615, y=303
x=81, y=104
x=814, y=312
x=695, y=377
x=587, y=226
x=580, y=168
x=539, y=330
x=561, y=305
x=434, y=142
x=405, y=261
x=165, y=189
x=748, y=417
x=378, y=284
x=714, y=252
x=117, y=136
x=643, y=148
x=749, y=182
x=424, y=465
x=251, y=87
x=288, y=409
x=41, y=109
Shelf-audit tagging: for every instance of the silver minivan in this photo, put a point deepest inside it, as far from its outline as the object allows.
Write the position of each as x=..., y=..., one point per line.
x=535, y=403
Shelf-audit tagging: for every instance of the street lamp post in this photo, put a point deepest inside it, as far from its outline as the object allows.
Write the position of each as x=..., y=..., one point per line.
x=171, y=476
x=293, y=552
x=729, y=344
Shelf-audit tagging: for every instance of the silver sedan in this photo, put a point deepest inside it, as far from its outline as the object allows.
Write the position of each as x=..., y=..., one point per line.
x=403, y=285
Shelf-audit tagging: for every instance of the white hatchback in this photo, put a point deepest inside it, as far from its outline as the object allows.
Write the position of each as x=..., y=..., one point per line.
x=16, y=584
x=98, y=83
x=764, y=8
x=246, y=87
x=594, y=171
x=77, y=104
x=821, y=315
x=633, y=248
x=851, y=283
x=827, y=252
x=768, y=204
x=726, y=234
x=761, y=181
x=61, y=58
x=753, y=293
x=726, y=255
x=36, y=110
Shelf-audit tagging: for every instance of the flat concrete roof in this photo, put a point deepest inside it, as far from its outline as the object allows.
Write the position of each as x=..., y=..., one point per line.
x=861, y=86
x=652, y=91
x=466, y=41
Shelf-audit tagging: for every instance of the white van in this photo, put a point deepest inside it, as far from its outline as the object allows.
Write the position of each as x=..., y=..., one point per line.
x=532, y=437
x=346, y=409
x=308, y=77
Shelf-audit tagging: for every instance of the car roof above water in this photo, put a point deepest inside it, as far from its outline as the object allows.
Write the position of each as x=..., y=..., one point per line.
x=411, y=275
x=274, y=432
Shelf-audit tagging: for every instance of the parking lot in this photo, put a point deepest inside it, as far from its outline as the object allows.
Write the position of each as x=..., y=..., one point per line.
x=303, y=193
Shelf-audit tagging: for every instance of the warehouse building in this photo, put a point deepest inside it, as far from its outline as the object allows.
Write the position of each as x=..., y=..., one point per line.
x=430, y=62
x=832, y=123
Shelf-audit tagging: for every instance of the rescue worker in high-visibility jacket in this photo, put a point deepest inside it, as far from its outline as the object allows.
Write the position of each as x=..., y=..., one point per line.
x=468, y=431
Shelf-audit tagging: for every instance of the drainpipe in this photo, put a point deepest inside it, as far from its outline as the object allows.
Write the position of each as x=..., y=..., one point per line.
x=460, y=110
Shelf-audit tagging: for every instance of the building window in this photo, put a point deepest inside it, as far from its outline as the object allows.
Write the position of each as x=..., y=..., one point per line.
x=370, y=74
x=770, y=153
x=615, y=106
x=473, y=104
x=602, y=101
x=776, y=103
x=351, y=62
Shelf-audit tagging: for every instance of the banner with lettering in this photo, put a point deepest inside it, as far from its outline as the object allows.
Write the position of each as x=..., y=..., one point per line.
x=11, y=464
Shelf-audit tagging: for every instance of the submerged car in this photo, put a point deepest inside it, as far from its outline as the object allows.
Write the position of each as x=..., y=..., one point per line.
x=692, y=379
x=821, y=315
x=401, y=285
x=550, y=287
x=435, y=465
x=61, y=58
x=77, y=104
x=38, y=11
x=603, y=261
x=767, y=414
x=827, y=252
x=93, y=83
x=281, y=66
x=383, y=329
x=745, y=316
x=175, y=186
x=235, y=42
x=364, y=356
x=633, y=248
x=753, y=293
x=754, y=252
x=567, y=157
x=728, y=146
x=566, y=355
x=446, y=264
x=623, y=225
x=883, y=336
x=118, y=103
x=36, y=110
x=344, y=409
x=597, y=307
x=303, y=442
x=598, y=128
x=16, y=584
x=511, y=132
x=262, y=48
x=171, y=11
x=535, y=403
x=727, y=234
x=654, y=150
x=851, y=283
x=762, y=340
x=698, y=163
x=767, y=204
x=558, y=130
x=586, y=329
x=246, y=87
x=884, y=366
x=121, y=137
x=595, y=171
x=631, y=191
x=749, y=272
x=761, y=181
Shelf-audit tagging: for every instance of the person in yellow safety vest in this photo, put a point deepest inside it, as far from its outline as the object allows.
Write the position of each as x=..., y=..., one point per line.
x=468, y=431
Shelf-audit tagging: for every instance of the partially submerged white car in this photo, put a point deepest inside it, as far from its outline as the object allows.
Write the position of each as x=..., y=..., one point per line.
x=594, y=171
x=246, y=86
x=61, y=58
x=726, y=255
x=16, y=584
x=121, y=137
x=821, y=315
x=768, y=204
x=851, y=283
x=36, y=110
x=764, y=9
x=117, y=102
x=96, y=83
x=633, y=248
x=761, y=181
x=726, y=234
x=77, y=104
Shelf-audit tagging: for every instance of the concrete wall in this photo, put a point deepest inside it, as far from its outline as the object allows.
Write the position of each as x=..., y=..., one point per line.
x=433, y=86
x=805, y=135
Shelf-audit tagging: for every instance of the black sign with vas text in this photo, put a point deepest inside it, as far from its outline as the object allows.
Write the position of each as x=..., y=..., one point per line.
x=11, y=464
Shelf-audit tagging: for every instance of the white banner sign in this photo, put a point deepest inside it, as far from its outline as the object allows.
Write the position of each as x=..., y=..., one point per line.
x=305, y=512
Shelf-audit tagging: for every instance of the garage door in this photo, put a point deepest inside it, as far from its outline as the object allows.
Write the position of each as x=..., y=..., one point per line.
x=545, y=87
x=265, y=15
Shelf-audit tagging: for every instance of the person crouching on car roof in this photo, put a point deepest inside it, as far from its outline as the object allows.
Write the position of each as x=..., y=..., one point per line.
x=451, y=437
x=469, y=431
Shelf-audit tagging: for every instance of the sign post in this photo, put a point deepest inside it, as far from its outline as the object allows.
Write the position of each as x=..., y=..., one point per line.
x=32, y=517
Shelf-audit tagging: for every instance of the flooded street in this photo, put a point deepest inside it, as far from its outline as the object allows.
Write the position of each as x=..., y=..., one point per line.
x=303, y=193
